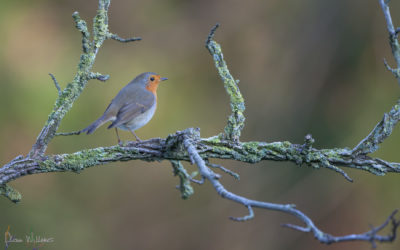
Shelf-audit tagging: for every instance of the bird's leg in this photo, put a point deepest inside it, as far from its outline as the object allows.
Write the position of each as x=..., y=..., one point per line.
x=119, y=141
x=137, y=138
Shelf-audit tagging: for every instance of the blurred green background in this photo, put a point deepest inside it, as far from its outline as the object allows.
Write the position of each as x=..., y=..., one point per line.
x=304, y=67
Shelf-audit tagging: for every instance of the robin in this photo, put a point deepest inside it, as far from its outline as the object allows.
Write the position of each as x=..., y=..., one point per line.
x=133, y=107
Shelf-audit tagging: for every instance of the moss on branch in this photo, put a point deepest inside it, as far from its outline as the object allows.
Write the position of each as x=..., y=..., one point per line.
x=171, y=149
x=72, y=91
x=10, y=193
x=236, y=120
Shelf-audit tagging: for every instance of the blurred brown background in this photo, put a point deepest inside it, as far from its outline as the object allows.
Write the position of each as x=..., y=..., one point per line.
x=304, y=67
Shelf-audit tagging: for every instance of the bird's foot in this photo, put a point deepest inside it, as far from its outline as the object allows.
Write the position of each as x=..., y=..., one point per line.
x=137, y=138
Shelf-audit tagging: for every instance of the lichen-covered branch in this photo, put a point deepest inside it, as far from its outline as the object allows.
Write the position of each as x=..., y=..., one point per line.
x=393, y=39
x=381, y=131
x=9, y=192
x=64, y=102
x=191, y=136
x=185, y=186
x=157, y=149
x=236, y=119
x=123, y=40
x=385, y=127
x=188, y=146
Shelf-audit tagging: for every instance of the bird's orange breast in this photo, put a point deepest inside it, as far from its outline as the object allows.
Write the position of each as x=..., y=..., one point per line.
x=153, y=85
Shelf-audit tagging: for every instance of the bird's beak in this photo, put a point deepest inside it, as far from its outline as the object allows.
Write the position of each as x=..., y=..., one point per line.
x=163, y=78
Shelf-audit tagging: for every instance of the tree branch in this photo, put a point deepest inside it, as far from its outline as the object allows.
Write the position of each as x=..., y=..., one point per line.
x=185, y=186
x=393, y=41
x=236, y=119
x=56, y=83
x=381, y=131
x=124, y=40
x=188, y=146
x=73, y=89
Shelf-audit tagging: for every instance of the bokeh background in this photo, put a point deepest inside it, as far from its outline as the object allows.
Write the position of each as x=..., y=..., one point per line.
x=304, y=67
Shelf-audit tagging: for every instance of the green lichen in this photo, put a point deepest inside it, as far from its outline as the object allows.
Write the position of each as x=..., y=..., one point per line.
x=185, y=186
x=82, y=27
x=73, y=162
x=236, y=120
x=100, y=28
x=251, y=147
x=332, y=153
x=10, y=193
x=212, y=140
x=222, y=150
x=47, y=165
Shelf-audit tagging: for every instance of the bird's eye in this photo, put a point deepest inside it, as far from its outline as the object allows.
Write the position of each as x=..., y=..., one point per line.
x=151, y=78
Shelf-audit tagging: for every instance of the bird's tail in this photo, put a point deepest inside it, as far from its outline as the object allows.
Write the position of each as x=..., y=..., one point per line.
x=92, y=127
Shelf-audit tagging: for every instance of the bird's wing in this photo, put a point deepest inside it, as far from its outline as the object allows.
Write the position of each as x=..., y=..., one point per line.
x=131, y=109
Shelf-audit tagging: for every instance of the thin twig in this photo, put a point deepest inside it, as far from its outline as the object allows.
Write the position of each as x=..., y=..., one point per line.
x=394, y=43
x=124, y=40
x=246, y=217
x=211, y=34
x=82, y=27
x=230, y=172
x=99, y=76
x=56, y=83
x=68, y=133
x=184, y=187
